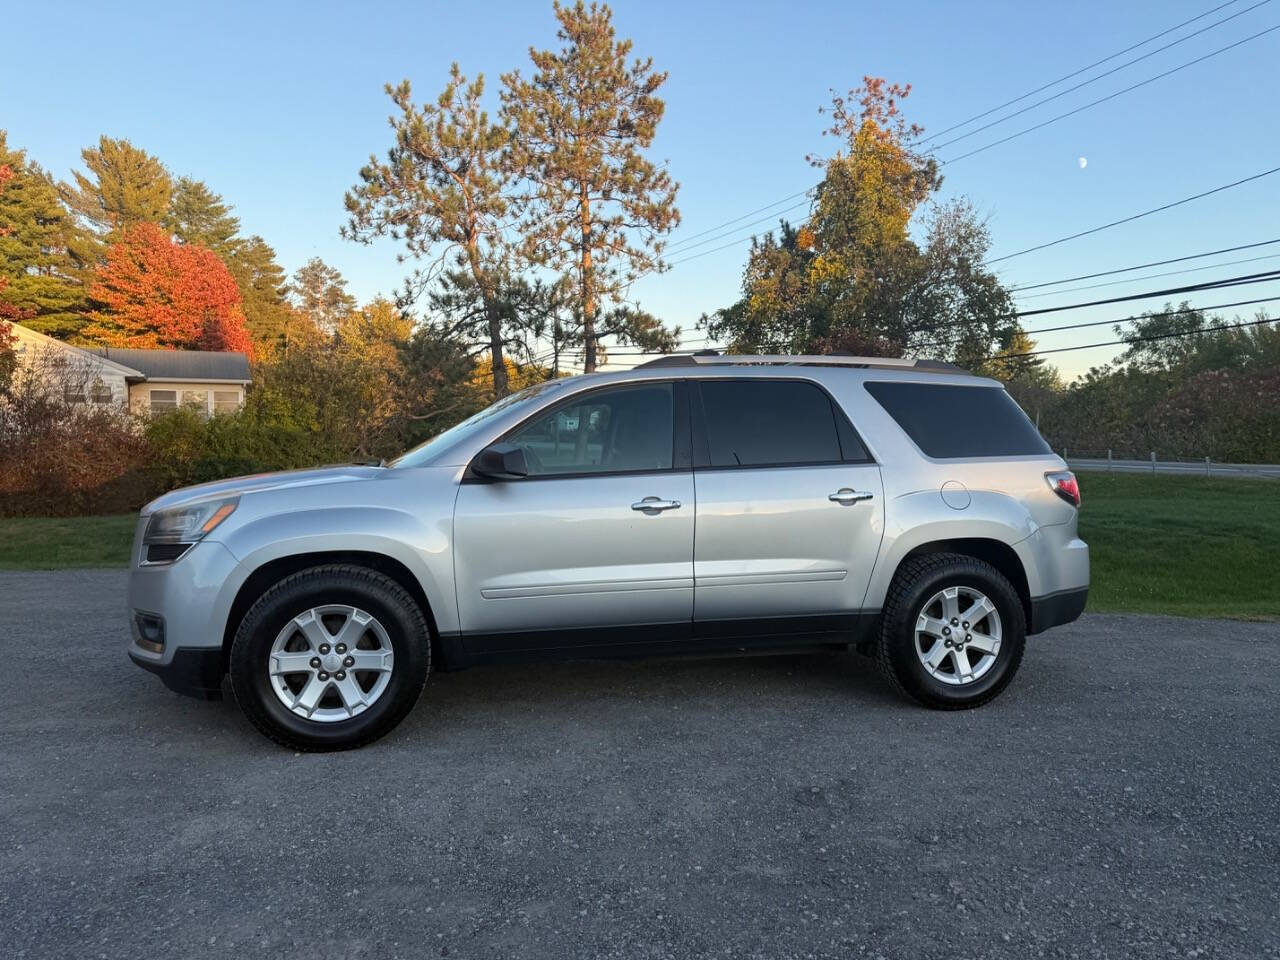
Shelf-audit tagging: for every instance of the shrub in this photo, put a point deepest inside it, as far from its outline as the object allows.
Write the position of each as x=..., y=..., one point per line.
x=59, y=458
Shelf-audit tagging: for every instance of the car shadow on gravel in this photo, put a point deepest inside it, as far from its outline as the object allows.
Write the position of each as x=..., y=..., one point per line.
x=548, y=693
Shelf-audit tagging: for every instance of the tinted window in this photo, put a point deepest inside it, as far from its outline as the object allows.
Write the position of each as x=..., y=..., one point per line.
x=948, y=421
x=422, y=454
x=612, y=431
x=761, y=422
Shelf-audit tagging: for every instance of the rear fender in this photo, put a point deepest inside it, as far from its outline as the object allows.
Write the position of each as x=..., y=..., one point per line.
x=915, y=520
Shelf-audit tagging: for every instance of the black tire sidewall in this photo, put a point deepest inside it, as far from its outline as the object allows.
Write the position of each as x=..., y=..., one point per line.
x=260, y=627
x=901, y=622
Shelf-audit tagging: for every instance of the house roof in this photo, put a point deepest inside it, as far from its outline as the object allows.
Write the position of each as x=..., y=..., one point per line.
x=222, y=366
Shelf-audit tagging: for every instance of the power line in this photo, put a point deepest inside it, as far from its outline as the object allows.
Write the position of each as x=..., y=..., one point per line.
x=1136, y=216
x=1142, y=316
x=1151, y=276
x=685, y=242
x=1085, y=83
x=754, y=223
x=1243, y=280
x=687, y=245
x=1110, y=96
x=1074, y=236
x=694, y=236
x=1076, y=73
x=1162, y=336
x=1143, y=266
x=1037, y=332
x=1221, y=283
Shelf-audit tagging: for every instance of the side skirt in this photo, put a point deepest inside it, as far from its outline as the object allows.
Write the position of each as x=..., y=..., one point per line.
x=754, y=636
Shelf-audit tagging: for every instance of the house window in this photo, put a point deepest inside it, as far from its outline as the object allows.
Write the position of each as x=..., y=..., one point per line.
x=197, y=400
x=163, y=400
x=226, y=401
x=73, y=393
x=101, y=392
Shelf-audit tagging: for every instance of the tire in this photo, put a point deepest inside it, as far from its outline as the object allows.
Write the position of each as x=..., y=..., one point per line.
x=902, y=649
x=395, y=641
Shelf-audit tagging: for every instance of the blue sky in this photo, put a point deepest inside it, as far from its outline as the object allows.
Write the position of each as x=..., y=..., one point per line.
x=277, y=105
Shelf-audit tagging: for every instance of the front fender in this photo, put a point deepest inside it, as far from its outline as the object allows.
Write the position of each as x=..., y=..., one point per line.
x=422, y=548
x=915, y=519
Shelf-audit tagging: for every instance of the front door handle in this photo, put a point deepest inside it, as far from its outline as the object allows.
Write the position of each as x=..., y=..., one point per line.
x=654, y=505
x=847, y=495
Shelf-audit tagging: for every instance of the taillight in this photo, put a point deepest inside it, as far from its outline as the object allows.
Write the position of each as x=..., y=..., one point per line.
x=1065, y=485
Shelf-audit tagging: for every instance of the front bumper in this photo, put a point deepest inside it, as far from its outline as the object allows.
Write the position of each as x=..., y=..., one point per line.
x=191, y=598
x=191, y=671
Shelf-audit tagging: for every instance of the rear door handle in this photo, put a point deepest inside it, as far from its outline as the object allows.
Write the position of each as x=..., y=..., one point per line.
x=655, y=505
x=848, y=495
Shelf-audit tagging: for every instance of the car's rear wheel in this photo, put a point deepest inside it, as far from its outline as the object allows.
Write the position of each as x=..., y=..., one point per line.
x=330, y=658
x=952, y=631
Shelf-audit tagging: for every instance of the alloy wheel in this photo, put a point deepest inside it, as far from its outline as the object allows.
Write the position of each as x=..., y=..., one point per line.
x=957, y=635
x=330, y=663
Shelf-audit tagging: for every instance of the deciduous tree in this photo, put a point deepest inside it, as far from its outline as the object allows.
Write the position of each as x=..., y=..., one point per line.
x=599, y=207
x=154, y=293
x=851, y=275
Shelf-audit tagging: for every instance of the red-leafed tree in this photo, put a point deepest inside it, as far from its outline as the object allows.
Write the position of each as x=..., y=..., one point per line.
x=154, y=293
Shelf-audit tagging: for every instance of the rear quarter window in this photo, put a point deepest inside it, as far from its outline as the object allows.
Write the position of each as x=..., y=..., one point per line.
x=950, y=422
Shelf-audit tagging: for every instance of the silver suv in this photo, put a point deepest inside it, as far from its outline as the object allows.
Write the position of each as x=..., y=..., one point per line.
x=902, y=508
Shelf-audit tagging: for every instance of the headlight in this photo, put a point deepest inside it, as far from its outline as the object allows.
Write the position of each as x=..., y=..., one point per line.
x=188, y=524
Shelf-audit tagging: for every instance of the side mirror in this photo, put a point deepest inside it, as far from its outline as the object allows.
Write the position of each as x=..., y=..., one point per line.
x=502, y=461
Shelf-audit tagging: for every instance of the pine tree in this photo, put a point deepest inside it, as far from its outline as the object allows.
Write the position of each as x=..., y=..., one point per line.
x=124, y=186
x=263, y=292
x=35, y=230
x=1014, y=363
x=198, y=215
x=581, y=124
x=443, y=190
x=320, y=292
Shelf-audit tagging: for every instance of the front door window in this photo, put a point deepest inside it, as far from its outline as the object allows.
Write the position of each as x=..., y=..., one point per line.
x=628, y=430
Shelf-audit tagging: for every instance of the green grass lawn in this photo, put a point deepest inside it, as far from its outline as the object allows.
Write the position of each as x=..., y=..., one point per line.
x=1190, y=546
x=56, y=543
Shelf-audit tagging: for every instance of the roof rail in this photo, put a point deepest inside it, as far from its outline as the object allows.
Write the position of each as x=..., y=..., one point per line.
x=711, y=358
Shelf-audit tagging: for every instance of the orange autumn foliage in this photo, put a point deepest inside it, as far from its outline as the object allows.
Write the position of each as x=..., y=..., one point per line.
x=156, y=294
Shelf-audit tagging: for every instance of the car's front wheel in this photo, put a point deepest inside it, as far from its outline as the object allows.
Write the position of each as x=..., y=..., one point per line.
x=952, y=631
x=330, y=658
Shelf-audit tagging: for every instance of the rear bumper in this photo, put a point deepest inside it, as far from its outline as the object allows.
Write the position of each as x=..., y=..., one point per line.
x=191, y=671
x=1055, y=609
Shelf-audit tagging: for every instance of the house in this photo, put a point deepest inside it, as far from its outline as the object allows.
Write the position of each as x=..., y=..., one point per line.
x=148, y=380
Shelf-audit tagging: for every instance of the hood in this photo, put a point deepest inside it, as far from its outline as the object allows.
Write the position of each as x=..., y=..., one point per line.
x=237, y=486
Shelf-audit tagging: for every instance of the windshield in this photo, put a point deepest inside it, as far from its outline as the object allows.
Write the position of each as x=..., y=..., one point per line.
x=424, y=452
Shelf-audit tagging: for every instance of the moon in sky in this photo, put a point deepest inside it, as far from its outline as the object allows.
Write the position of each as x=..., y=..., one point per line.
x=1084, y=162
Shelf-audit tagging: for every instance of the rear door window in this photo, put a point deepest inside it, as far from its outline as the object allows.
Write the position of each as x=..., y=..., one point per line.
x=957, y=422
x=760, y=422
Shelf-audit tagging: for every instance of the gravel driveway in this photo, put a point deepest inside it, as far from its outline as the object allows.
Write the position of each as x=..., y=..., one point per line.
x=1121, y=799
